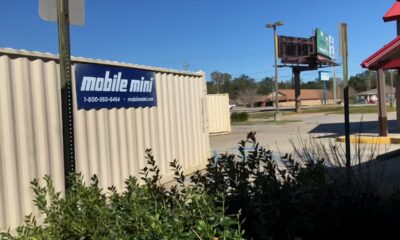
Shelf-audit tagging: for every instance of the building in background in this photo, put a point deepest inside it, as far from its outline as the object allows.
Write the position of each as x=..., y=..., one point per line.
x=309, y=97
x=371, y=96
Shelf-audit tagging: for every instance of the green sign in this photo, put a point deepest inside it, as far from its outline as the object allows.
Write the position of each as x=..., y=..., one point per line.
x=325, y=44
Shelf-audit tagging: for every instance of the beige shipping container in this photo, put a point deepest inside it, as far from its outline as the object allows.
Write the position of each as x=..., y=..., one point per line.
x=219, y=118
x=108, y=142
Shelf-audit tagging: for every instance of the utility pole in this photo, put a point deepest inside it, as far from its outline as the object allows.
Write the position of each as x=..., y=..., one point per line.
x=273, y=26
x=343, y=41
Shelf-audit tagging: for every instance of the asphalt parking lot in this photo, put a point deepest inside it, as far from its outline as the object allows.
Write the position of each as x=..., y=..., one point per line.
x=317, y=126
x=323, y=129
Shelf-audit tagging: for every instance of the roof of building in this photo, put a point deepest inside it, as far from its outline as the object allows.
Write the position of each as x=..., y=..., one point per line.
x=41, y=55
x=260, y=98
x=393, y=13
x=305, y=94
x=388, y=57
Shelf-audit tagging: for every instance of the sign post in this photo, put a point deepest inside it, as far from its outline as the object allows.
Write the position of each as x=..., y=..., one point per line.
x=66, y=89
x=324, y=76
x=59, y=10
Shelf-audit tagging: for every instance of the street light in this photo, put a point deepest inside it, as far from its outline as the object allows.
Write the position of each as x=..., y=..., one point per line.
x=273, y=26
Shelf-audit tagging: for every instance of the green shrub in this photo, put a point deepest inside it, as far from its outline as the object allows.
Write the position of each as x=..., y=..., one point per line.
x=143, y=212
x=290, y=200
x=297, y=201
x=239, y=117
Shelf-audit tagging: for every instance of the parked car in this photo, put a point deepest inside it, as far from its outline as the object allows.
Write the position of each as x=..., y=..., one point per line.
x=361, y=101
x=373, y=99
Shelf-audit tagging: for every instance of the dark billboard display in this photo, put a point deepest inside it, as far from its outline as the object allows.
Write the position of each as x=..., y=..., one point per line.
x=291, y=47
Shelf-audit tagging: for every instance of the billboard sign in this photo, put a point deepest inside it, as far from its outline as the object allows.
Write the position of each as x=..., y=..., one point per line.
x=103, y=86
x=292, y=47
x=325, y=44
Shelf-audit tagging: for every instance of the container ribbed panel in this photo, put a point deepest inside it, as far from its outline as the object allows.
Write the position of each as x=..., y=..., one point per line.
x=218, y=113
x=110, y=143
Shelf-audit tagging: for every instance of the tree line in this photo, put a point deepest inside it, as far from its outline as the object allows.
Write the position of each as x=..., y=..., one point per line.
x=245, y=86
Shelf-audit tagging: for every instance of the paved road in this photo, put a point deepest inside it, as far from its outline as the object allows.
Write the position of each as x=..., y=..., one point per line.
x=271, y=108
x=318, y=126
x=322, y=128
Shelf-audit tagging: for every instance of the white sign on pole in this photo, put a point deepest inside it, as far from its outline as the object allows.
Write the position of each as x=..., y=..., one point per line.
x=324, y=76
x=48, y=11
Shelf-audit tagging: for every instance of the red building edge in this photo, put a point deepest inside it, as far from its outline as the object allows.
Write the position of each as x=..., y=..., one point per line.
x=388, y=57
x=393, y=13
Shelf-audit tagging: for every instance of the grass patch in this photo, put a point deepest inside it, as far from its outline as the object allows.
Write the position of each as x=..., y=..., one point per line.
x=283, y=122
x=268, y=114
x=353, y=109
x=267, y=117
x=266, y=122
x=328, y=109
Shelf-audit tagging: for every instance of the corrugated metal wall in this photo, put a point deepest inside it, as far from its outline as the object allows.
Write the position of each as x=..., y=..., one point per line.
x=218, y=114
x=109, y=143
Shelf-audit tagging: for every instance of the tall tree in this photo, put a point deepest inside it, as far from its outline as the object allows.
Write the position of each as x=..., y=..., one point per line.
x=265, y=86
x=243, y=85
x=221, y=81
x=211, y=88
x=363, y=81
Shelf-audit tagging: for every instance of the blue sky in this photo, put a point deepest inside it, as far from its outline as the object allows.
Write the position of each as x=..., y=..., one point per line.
x=223, y=35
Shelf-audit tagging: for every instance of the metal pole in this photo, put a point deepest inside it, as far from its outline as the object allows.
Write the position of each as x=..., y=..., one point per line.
x=297, y=90
x=276, y=75
x=66, y=90
x=324, y=92
x=334, y=86
x=343, y=33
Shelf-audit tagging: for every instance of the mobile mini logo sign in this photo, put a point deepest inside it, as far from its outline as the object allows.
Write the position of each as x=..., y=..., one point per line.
x=102, y=86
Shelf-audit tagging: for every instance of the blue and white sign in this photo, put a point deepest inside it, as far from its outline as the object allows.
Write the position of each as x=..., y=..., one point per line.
x=103, y=86
x=323, y=76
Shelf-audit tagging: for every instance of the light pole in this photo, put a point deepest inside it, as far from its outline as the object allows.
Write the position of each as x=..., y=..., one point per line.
x=273, y=26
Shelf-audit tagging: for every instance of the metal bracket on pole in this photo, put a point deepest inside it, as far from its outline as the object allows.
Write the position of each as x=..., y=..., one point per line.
x=66, y=90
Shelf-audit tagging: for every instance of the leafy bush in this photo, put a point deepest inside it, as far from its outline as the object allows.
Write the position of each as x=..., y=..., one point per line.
x=147, y=211
x=239, y=117
x=276, y=199
x=291, y=199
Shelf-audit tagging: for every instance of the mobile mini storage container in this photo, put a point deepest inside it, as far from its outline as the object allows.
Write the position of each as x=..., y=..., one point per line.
x=120, y=110
x=219, y=116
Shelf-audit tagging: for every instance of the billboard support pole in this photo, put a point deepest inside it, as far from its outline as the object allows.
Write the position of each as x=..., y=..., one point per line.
x=297, y=89
x=66, y=90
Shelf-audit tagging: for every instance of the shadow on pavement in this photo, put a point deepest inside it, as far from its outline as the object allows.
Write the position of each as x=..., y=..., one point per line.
x=337, y=129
